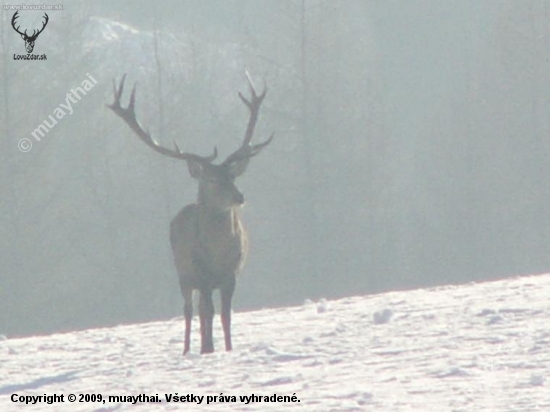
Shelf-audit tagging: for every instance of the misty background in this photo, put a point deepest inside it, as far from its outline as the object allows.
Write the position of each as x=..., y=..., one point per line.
x=411, y=149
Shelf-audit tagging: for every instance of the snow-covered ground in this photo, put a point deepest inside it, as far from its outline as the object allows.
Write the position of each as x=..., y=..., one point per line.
x=476, y=347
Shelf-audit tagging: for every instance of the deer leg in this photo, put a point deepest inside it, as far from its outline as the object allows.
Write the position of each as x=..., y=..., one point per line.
x=206, y=314
x=226, y=295
x=188, y=313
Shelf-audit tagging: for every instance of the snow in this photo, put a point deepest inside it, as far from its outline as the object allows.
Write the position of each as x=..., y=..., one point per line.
x=475, y=347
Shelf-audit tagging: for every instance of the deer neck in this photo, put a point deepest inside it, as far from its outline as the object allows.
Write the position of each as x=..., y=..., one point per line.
x=218, y=222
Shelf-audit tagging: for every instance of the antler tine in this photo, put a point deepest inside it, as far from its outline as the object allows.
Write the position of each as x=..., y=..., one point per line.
x=255, y=96
x=253, y=104
x=128, y=114
x=197, y=157
x=132, y=102
x=13, y=22
x=255, y=149
x=246, y=152
x=35, y=32
x=47, y=20
x=251, y=84
x=117, y=91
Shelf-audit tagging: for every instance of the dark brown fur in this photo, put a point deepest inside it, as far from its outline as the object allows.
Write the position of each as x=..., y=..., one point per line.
x=209, y=244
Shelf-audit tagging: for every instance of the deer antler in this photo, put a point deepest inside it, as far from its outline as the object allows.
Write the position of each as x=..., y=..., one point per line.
x=15, y=16
x=128, y=114
x=34, y=33
x=246, y=150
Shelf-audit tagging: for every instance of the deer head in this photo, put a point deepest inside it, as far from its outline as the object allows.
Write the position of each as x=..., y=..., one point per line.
x=217, y=190
x=29, y=40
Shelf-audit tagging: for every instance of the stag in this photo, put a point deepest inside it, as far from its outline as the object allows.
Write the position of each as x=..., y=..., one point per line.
x=29, y=40
x=209, y=242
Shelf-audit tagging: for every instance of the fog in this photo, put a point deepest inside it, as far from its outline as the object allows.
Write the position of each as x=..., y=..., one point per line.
x=411, y=149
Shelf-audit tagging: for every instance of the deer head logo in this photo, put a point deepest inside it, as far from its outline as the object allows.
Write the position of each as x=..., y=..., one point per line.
x=29, y=40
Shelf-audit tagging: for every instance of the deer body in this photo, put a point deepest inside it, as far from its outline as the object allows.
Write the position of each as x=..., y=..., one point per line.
x=208, y=239
x=209, y=249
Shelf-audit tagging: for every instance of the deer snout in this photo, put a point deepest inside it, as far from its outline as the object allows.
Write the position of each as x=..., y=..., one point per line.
x=239, y=198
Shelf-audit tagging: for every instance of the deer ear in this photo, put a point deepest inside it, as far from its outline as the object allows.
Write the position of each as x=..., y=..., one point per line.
x=195, y=168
